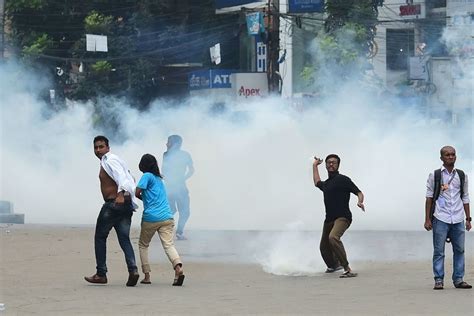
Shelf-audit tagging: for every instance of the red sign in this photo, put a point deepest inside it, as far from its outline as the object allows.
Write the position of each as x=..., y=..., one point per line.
x=410, y=9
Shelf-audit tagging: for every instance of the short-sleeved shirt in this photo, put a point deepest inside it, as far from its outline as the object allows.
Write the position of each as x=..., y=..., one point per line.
x=449, y=206
x=155, y=202
x=336, y=190
x=175, y=166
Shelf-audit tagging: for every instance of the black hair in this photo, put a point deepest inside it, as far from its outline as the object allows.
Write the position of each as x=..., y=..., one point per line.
x=101, y=138
x=148, y=163
x=333, y=156
x=442, y=150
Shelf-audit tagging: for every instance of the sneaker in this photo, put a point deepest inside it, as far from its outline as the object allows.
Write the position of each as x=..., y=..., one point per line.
x=438, y=285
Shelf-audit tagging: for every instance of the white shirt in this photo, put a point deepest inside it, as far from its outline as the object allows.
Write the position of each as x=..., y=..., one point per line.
x=119, y=172
x=449, y=205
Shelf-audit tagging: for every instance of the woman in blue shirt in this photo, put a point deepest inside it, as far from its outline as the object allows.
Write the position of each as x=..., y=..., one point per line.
x=157, y=217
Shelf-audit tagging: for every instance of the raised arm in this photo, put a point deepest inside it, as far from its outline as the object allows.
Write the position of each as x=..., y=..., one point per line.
x=316, y=176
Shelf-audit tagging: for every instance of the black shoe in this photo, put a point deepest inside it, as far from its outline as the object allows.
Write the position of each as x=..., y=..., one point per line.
x=132, y=278
x=438, y=285
x=463, y=285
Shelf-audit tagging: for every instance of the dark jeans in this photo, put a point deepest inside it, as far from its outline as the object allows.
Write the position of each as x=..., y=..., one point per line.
x=120, y=218
x=179, y=202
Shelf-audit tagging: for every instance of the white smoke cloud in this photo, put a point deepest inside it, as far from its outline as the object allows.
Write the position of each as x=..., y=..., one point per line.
x=251, y=172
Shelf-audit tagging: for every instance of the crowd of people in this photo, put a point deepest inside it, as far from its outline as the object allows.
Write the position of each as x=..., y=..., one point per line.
x=447, y=211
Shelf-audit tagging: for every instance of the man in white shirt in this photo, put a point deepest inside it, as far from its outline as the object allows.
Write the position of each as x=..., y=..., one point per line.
x=118, y=190
x=447, y=220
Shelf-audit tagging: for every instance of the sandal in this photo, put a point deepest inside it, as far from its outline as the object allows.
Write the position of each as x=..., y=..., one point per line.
x=179, y=276
x=348, y=274
x=331, y=270
x=178, y=280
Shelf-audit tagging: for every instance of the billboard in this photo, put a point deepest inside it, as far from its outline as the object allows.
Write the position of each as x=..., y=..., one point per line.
x=232, y=3
x=250, y=85
x=303, y=6
x=210, y=79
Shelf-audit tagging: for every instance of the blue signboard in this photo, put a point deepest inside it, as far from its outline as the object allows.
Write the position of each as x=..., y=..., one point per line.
x=210, y=79
x=232, y=3
x=304, y=6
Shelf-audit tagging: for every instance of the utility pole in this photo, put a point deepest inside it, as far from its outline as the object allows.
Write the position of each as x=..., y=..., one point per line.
x=2, y=37
x=273, y=46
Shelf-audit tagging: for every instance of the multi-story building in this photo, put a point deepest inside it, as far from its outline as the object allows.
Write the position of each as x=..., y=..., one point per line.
x=426, y=51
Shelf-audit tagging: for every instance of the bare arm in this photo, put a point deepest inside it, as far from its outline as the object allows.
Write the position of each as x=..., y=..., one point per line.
x=316, y=176
x=190, y=171
x=360, y=201
x=138, y=193
x=467, y=210
x=428, y=204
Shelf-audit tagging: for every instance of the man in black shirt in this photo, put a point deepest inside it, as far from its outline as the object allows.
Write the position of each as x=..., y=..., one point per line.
x=336, y=190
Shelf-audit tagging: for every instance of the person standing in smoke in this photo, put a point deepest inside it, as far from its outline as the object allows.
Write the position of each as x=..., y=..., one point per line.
x=157, y=217
x=336, y=190
x=177, y=168
x=448, y=189
x=118, y=187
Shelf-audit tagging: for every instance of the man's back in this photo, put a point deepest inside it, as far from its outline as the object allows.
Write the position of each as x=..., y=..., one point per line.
x=175, y=167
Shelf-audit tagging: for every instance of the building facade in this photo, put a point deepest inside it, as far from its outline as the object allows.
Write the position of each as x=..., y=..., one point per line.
x=426, y=51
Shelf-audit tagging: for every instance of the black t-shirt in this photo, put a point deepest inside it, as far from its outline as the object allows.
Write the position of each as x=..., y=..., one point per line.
x=336, y=190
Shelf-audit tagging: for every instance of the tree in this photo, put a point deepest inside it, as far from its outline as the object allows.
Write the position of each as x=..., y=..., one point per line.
x=143, y=37
x=347, y=44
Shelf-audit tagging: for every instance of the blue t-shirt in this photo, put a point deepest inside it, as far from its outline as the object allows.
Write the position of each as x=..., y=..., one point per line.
x=155, y=202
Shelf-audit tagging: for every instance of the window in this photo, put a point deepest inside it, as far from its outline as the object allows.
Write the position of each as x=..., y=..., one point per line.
x=400, y=46
x=438, y=4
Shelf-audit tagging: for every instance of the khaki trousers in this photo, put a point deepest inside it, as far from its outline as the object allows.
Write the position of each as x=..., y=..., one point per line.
x=331, y=247
x=165, y=231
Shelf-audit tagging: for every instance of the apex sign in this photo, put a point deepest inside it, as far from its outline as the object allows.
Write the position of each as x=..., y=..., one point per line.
x=250, y=85
x=249, y=92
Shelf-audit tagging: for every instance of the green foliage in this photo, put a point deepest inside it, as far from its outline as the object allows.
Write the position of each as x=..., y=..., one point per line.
x=142, y=37
x=101, y=67
x=38, y=47
x=347, y=41
x=96, y=23
x=20, y=5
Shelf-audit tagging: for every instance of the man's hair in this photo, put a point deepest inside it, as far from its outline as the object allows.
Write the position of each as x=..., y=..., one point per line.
x=101, y=138
x=441, y=151
x=148, y=163
x=175, y=140
x=333, y=156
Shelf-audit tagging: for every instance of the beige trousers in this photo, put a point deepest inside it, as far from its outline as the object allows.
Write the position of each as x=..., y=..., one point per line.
x=165, y=230
x=331, y=247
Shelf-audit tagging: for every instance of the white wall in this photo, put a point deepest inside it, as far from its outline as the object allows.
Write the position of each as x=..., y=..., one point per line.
x=390, y=12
